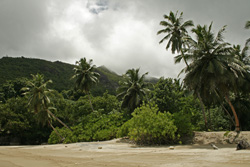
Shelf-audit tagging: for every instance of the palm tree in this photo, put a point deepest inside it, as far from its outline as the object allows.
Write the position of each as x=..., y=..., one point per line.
x=85, y=76
x=39, y=101
x=180, y=42
x=214, y=69
x=247, y=26
x=133, y=90
x=176, y=31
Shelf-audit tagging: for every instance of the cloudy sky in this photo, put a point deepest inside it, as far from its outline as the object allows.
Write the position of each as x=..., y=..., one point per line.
x=120, y=34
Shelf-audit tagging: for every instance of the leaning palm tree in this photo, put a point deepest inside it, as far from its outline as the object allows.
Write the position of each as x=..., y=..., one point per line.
x=176, y=31
x=133, y=90
x=85, y=76
x=39, y=101
x=247, y=26
x=180, y=42
x=214, y=69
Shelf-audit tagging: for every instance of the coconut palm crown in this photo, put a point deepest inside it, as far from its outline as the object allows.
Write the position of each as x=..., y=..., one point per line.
x=133, y=90
x=85, y=76
x=176, y=31
x=39, y=101
x=37, y=91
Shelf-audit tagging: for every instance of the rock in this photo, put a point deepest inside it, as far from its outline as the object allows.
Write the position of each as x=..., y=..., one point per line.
x=243, y=144
x=171, y=147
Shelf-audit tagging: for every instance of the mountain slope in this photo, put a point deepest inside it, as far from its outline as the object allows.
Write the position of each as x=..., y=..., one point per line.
x=60, y=73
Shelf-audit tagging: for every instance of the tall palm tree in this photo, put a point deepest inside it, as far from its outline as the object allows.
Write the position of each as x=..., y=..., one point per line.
x=214, y=68
x=180, y=42
x=85, y=76
x=39, y=101
x=133, y=90
x=247, y=26
x=176, y=31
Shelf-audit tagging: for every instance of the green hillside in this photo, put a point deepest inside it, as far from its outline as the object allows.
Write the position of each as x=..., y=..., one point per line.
x=60, y=73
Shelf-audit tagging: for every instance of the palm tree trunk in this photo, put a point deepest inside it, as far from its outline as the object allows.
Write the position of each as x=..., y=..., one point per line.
x=203, y=110
x=237, y=124
x=198, y=94
x=55, y=130
x=210, y=120
x=224, y=106
x=50, y=113
x=90, y=102
x=228, y=113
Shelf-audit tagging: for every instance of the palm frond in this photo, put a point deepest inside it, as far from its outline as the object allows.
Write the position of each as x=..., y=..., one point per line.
x=247, y=25
x=220, y=36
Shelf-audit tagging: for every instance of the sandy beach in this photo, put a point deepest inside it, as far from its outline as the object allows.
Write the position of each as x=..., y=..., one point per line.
x=114, y=153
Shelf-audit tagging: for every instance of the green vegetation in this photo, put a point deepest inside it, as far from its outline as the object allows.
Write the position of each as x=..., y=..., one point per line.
x=61, y=74
x=85, y=77
x=133, y=90
x=12, y=68
x=94, y=127
x=149, y=126
x=214, y=94
x=177, y=34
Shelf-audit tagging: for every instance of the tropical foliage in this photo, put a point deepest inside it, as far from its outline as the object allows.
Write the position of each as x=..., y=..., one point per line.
x=16, y=68
x=164, y=111
x=85, y=76
x=133, y=90
x=176, y=31
x=39, y=101
x=149, y=126
x=214, y=68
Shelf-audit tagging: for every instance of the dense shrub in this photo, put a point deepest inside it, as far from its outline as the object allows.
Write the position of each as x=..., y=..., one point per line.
x=17, y=122
x=95, y=127
x=219, y=120
x=183, y=123
x=149, y=126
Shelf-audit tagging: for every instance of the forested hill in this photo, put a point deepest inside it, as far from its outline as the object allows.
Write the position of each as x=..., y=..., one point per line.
x=60, y=73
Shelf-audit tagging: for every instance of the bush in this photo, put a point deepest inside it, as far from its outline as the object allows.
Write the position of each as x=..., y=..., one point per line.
x=73, y=136
x=95, y=127
x=149, y=126
x=184, y=126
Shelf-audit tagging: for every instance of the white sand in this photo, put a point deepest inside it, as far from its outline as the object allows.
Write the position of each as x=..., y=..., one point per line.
x=113, y=154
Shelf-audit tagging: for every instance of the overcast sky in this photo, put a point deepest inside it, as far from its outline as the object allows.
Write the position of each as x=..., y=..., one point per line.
x=120, y=34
